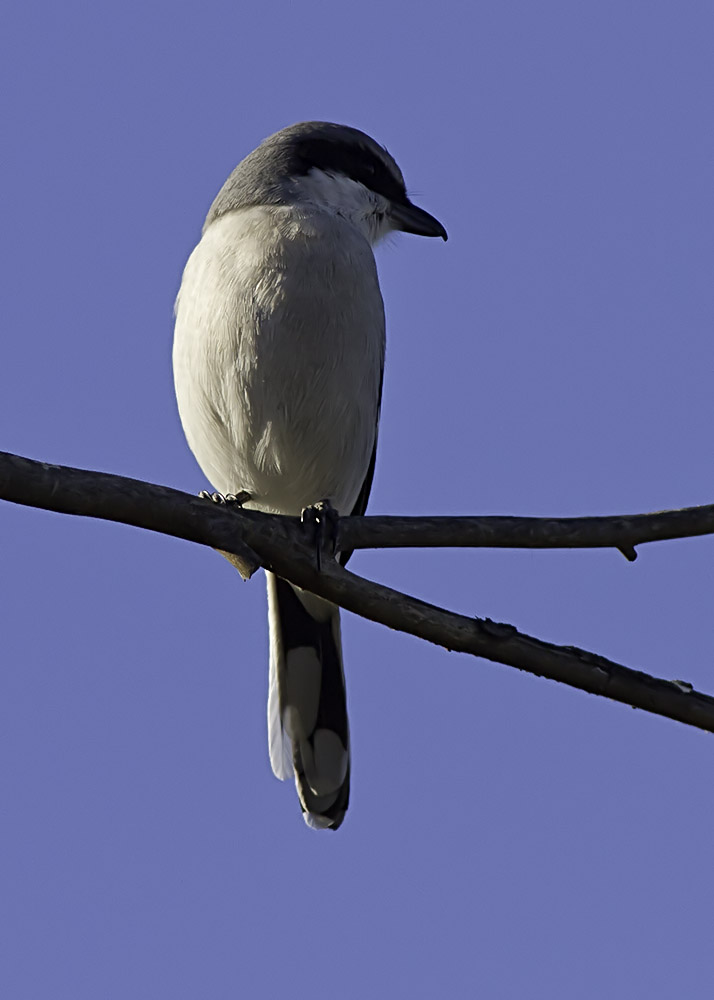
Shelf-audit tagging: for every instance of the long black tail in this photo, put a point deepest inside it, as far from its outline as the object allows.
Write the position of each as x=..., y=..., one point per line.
x=307, y=707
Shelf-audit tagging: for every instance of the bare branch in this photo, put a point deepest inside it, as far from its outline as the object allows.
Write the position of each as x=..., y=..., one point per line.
x=128, y=501
x=115, y=498
x=621, y=531
x=280, y=544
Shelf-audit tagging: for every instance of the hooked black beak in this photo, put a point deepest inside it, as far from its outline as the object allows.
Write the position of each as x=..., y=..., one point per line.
x=410, y=219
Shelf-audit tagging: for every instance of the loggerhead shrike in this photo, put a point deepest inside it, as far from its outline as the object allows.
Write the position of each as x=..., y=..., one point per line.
x=278, y=359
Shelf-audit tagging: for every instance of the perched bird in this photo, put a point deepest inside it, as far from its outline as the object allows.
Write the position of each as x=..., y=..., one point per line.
x=278, y=360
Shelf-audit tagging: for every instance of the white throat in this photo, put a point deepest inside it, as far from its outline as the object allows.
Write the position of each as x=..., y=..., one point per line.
x=336, y=193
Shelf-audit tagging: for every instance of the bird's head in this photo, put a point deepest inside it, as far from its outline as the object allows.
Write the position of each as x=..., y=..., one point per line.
x=333, y=167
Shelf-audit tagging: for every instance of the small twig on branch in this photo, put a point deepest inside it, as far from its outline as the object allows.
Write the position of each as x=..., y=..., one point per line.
x=280, y=544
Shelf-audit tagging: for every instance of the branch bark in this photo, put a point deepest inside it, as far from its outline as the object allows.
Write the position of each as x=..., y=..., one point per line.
x=281, y=544
x=621, y=531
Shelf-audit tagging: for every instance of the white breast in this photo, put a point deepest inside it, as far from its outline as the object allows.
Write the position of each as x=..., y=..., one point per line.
x=278, y=354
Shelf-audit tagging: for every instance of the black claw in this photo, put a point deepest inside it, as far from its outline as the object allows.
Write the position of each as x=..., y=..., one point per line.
x=238, y=498
x=230, y=498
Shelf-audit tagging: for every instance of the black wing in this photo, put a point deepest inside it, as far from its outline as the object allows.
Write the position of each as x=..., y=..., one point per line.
x=361, y=503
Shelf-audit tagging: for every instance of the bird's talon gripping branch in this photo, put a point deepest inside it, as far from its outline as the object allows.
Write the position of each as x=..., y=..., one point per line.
x=230, y=498
x=323, y=518
x=237, y=499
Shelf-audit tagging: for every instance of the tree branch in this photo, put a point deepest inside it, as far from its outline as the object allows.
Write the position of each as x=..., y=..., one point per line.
x=281, y=545
x=622, y=531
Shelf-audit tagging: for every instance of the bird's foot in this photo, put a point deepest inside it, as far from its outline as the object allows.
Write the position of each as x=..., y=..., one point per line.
x=323, y=517
x=230, y=498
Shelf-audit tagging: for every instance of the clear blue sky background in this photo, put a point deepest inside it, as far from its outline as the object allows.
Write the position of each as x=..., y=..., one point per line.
x=508, y=838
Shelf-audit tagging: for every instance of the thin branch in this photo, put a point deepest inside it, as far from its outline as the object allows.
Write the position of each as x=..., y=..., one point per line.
x=128, y=501
x=280, y=544
x=96, y=494
x=621, y=531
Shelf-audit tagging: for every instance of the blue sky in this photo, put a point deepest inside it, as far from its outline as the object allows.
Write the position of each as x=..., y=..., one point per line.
x=507, y=838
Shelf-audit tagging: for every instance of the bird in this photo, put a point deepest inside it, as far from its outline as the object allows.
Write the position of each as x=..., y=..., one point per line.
x=278, y=363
